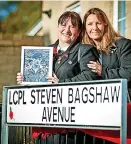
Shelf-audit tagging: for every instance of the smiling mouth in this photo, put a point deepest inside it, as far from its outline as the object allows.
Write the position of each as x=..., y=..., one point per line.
x=95, y=33
x=67, y=35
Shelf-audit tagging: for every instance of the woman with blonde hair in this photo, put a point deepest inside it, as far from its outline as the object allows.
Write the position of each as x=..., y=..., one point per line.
x=103, y=34
x=112, y=49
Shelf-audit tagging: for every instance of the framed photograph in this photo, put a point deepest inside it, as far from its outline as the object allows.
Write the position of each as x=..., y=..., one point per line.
x=36, y=64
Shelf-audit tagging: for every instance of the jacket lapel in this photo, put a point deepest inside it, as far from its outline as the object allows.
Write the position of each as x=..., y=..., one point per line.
x=59, y=63
x=108, y=58
x=71, y=49
x=95, y=53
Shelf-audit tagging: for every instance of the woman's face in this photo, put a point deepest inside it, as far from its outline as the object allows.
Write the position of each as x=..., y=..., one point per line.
x=94, y=27
x=67, y=33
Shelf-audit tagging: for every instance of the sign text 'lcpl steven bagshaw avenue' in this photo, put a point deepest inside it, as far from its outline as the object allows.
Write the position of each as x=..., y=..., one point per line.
x=66, y=105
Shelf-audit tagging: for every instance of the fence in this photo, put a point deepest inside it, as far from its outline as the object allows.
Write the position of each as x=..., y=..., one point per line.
x=22, y=135
x=15, y=132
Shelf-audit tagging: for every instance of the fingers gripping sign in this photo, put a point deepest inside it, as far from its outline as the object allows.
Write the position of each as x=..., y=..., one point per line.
x=19, y=78
x=53, y=79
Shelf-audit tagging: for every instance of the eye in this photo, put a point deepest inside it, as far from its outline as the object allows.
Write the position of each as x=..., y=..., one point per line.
x=72, y=26
x=63, y=24
x=99, y=23
x=89, y=23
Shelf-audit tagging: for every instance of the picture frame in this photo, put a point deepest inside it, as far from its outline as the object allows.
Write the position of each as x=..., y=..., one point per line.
x=36, y=64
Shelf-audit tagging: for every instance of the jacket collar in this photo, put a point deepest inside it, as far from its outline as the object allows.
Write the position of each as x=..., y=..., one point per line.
x=95, y=52
x=71, y=48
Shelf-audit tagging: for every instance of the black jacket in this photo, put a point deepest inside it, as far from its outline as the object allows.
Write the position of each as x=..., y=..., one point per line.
x=70, y=69
x=118, y=63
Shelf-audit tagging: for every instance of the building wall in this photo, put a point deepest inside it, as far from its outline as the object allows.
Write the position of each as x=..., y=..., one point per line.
x=106, y=6
x=10, y=54
x=50, y=24
x=58, y=7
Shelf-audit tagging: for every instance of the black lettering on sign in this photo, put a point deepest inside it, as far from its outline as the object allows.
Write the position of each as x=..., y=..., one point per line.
x=66, y=114
x=43, y=96
x=94, y=94
x=70, y=95
x=23, y=95
x=32, y=96
x=44, y=117
x=106, y=95
x=77, y=96
x=84, y=95
x=98, y=95
x=115, y=93
x=55, y=113
x=59, y=95
x=38, y=95
x=109, y=94
x=48, y=92
x=46, y=96
x=72, y=114
x=53, y=96
x=17, y=97
x=92, y=98
x=49, y=112
x=10, y=102
x=58, y=114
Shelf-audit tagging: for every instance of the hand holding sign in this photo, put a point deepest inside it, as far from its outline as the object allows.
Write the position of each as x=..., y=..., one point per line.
x=19, y=78
x=53, y=79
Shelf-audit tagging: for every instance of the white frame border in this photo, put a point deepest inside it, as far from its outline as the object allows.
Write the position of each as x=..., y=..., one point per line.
x=50, y=62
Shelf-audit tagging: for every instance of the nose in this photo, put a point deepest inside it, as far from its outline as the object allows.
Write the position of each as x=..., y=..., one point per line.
x=94, y=26
x=67, y=28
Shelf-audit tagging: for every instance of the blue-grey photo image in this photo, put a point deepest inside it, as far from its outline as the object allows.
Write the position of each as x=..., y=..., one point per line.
x=36, y=65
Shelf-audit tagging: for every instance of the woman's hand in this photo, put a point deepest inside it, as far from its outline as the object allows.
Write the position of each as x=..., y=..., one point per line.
x=19, y=78
x=53, y=79
x=95, y=66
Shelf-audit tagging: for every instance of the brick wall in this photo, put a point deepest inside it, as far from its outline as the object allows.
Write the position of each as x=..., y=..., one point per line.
x=10, y=52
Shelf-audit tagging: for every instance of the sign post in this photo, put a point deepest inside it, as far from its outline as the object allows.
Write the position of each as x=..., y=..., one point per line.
x=87, y=105
x=123, y=129
x=4, y=126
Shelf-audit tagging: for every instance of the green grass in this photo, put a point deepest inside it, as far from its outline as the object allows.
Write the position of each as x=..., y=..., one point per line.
x=22, y=20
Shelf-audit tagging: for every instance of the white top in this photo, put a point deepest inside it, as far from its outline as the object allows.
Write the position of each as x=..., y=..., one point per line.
x=62, y=49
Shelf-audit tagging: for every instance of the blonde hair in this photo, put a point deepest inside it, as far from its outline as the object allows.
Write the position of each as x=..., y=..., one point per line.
x=109, y=36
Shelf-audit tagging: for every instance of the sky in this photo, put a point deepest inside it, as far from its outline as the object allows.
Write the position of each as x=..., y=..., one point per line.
x=6, y=8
